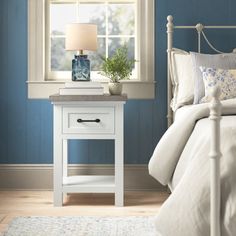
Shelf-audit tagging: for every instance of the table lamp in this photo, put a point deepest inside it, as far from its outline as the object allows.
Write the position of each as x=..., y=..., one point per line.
x=81, y=37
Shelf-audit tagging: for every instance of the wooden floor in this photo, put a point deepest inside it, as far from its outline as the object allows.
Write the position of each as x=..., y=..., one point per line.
x=39, y=203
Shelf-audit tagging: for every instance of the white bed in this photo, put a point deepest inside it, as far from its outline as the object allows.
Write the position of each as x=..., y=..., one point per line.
x=182, y=161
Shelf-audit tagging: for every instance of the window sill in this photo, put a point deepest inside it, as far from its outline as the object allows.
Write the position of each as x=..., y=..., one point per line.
x=134, y=89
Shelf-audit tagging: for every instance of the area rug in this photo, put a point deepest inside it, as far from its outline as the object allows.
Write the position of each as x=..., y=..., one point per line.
x=81, y=226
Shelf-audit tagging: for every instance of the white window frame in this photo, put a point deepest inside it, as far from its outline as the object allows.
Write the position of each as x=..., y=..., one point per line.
x=41, y=87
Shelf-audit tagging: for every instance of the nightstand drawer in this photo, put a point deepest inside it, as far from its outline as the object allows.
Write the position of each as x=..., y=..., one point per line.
x=88, y=120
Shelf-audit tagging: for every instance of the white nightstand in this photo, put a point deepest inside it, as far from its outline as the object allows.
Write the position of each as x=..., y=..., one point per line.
x=87, y=117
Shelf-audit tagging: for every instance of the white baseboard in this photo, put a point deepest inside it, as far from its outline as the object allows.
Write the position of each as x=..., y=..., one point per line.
x=40, y=176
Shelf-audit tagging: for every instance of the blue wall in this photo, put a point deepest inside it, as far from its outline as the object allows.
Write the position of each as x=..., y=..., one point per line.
x=26, y=125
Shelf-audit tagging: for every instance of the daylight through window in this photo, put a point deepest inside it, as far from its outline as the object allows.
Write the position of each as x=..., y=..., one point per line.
x=117, y=25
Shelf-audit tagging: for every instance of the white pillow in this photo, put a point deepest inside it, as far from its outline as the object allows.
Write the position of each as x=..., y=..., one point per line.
x=181, y=69
x=225, y=79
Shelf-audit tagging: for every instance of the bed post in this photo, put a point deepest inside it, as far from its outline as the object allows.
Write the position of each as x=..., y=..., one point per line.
x=215, y=154
x=170, y=31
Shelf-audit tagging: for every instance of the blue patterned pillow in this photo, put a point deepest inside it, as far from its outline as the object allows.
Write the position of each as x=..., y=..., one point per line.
x=224, y=61
x=225, y=79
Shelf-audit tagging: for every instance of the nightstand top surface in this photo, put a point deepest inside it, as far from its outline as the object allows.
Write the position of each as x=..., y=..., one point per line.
x=82, y=98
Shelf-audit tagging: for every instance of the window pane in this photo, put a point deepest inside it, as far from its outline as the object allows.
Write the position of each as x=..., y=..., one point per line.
x=93, y=13
x=61, y=14
x=115, y=43
x=95, y=57
x=60, y=59
x=121, y=19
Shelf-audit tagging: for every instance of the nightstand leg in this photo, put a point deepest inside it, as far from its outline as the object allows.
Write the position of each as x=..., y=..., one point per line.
x=119, y=159
x=58, y=196
x=65, y=162
x=57, y=159
x=119, y=176
x=65, y=158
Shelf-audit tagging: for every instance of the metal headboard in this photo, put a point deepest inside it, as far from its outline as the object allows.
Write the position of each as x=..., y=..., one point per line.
x=170, y=31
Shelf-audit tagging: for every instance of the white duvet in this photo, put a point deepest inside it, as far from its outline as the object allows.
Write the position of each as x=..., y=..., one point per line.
x=182, y=159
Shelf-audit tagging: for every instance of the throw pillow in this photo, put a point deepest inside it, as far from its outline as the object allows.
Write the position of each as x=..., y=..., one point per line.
x=225, y=79
x=223, y=61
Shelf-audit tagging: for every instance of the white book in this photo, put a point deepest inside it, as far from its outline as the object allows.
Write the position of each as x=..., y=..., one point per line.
x=83, y=91
x=84, y=84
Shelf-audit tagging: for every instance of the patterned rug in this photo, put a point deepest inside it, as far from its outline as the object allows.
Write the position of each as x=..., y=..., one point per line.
x=81, y=226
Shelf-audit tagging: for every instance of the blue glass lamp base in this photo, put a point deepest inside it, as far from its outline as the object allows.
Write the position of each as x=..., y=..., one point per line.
x=81, y=68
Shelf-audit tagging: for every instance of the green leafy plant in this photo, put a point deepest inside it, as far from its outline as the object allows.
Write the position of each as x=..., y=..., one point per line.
x=118, y=66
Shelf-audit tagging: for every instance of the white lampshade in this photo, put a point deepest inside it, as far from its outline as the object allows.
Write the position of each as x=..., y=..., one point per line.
x=81, y=37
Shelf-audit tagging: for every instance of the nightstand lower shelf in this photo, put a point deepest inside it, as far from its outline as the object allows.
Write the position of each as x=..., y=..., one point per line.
x=89, y=184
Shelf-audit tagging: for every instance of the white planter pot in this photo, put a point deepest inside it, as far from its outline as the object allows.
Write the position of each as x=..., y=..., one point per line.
x=115, y=88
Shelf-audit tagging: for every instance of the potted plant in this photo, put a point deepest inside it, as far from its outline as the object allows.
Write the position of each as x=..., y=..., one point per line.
x=117, y=67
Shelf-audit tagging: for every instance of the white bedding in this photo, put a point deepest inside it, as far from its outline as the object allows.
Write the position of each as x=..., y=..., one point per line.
x=181, y=157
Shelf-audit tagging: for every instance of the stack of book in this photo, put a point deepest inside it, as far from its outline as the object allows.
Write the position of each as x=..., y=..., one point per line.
x=82, y=88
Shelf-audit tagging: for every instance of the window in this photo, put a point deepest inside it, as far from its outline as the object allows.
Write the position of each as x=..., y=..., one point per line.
x=116, y=23
x=129, y=22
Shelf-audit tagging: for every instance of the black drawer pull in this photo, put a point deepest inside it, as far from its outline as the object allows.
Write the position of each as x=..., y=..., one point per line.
x=81, y=120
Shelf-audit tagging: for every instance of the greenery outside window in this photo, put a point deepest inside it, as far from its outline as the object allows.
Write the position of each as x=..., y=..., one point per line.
x=129, y=22
x=117, y=25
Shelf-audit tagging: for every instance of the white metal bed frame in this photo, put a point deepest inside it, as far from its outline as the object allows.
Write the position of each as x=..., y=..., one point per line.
x=215, y=116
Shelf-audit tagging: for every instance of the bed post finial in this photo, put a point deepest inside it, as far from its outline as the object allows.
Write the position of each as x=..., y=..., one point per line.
x=170, y=25
x=170, y=31
x=170, y=18
x=215, y=105
x=199, y=27
x=215, y=154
